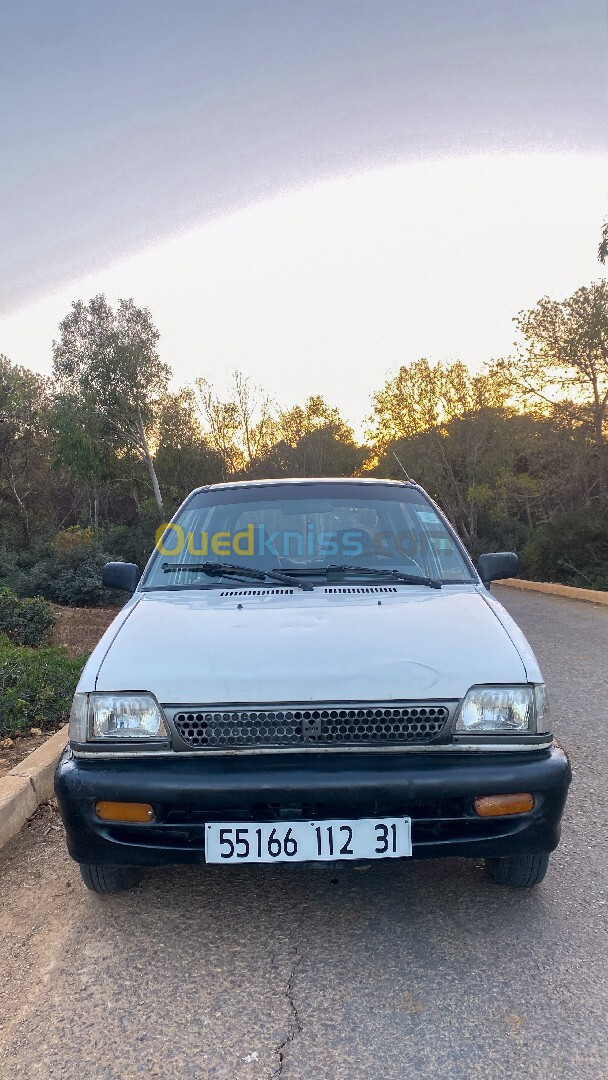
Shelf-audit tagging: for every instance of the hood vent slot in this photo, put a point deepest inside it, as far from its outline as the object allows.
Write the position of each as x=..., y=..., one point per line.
x=360, y=589
x=328, y=589
x=257, y=592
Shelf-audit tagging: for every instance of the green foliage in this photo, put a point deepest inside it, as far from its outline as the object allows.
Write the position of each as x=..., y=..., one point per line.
x=110, y=378
x=312, y=440
x=36, y=686
x=27, y=485
x=66, y=571
x=184, y=458
x=424, y=398
x=571, y=549
x=133, y=543
x=16, y=565
x=25, y=621
x=81, y=440
x=565, y=355
x=74, y=540
x=72, y=578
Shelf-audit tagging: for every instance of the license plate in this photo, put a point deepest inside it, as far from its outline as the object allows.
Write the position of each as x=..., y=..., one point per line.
x=307, y=841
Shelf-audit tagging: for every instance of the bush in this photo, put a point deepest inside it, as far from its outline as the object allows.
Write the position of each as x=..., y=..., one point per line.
x=571, y=549
x=67, y=572
x=134, y=543
x=67, y=569
x=74, y=579
x=25, y=621
x=36, y=686
x=74, y=540
x=500, y=534
x=16, y=566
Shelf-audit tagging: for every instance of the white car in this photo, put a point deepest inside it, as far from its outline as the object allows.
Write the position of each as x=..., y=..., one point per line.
x=310, y=670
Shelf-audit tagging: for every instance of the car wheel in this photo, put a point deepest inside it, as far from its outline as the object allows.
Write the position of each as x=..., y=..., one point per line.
x=109, y=879
x=518, y=871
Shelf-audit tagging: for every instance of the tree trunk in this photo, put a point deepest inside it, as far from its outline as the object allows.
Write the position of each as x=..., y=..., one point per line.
x=23, y=509
x=150, y=463
x=600, y=454
x=528, y=512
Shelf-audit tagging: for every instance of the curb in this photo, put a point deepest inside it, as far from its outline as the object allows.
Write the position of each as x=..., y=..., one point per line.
x=571, y=592
x=29, y=784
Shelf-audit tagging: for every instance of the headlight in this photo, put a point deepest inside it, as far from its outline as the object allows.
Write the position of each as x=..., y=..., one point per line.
x=116, y=716
x=506, y=710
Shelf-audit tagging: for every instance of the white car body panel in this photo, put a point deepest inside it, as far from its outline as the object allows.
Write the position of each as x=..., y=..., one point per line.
x=517, y=637
x=255, y=645
x=89, y=673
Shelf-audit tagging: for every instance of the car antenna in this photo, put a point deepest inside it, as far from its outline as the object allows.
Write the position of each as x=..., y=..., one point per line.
x=402, y=467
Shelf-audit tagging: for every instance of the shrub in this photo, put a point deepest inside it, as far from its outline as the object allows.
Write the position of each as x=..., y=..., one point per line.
x=69, y=571
x=501, y=534
x=16, y=566
x=74, y=540
x=25, y=621
x=74, y=579
x=67, y=568
x=36, y=686
x=66, y=573
x=571, y=549
x=134, y=543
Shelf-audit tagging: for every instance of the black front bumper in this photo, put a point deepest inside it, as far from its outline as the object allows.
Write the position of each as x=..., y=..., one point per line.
x=435, y=789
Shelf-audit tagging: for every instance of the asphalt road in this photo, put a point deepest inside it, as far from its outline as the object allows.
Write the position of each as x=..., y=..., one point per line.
x=408, y=970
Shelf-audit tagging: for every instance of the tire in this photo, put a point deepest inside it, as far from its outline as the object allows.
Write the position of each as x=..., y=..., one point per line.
x=109, y=879
x=518, y=871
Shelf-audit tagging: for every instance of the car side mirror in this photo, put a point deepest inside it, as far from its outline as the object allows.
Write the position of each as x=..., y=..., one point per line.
x=121, y=575
x=497, y=564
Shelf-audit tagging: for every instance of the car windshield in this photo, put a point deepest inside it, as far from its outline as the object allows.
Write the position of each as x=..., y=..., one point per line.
x=309, y=530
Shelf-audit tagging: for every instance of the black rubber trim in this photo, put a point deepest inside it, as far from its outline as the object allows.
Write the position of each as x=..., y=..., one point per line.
x=354, y=783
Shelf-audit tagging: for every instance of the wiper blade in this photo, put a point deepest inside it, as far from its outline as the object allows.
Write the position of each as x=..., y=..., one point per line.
x=398, y=575
x=220, y=569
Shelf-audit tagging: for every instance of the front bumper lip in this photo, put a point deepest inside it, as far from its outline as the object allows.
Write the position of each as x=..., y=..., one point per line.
x=436, y=790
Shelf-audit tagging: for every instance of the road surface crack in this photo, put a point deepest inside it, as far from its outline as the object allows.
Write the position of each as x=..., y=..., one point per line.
x=294, y=1027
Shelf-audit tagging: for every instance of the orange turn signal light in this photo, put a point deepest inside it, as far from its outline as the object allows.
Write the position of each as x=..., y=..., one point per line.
x=124, y=811
x=500, y=805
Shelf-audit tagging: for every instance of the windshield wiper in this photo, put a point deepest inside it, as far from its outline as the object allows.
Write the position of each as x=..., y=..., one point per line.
x=398, y=575
x=220, y=569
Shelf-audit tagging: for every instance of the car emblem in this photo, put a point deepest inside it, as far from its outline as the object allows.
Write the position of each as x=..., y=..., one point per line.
x=311, y=727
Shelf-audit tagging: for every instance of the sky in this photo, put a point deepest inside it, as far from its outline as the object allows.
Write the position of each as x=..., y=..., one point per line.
x=312, y=192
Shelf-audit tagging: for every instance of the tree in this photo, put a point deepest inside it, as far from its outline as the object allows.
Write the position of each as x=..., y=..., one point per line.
x=602, y=251
x=439, y=420
x=106, y=366
x=311, y=440
x=565, y=356
x=299, y=421
x=184, y=458
x=24, y=457
x=79, y=443
x=239, y=429
x=422, y=397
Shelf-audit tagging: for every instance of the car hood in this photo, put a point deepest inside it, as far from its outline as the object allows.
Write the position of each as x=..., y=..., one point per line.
x=340, y=644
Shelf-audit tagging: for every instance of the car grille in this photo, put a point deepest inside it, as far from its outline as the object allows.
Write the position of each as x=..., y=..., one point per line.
x=307, y=726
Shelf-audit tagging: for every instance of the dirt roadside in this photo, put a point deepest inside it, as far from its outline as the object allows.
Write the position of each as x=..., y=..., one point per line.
x=79, y=629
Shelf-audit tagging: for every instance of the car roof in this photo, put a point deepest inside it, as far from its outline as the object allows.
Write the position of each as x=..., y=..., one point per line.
x=287, y=481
